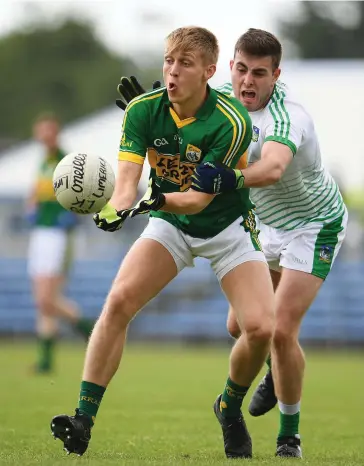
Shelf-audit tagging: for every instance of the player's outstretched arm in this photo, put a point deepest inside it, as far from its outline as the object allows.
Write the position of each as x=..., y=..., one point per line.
x=113, y=215
x=186, y=203
x=216, y=177
x=126, y=187
x=274, y=161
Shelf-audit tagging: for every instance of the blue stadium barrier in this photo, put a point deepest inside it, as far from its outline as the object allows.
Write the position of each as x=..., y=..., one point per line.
x=191, y=306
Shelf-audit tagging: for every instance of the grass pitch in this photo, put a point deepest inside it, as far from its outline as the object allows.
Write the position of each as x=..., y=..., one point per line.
x=158, y=409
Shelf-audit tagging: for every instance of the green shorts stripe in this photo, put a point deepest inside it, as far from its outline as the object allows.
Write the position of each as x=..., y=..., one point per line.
x=325, y=245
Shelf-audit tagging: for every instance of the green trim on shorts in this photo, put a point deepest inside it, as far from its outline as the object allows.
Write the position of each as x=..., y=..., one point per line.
x=250, y=226
x=325, y=245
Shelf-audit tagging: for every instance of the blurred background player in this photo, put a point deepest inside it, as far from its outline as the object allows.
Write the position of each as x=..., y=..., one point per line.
x=302, y=216
x=50, y=248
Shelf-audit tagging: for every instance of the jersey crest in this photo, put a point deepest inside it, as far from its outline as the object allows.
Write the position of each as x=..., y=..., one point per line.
x=255, y=134
x=193, y=153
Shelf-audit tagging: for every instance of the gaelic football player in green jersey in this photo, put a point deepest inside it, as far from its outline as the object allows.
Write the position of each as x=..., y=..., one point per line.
x=301, y=216
x=177, y=127
x=50, y=248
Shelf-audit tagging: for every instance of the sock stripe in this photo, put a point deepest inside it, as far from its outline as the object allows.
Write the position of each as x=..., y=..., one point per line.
x=289, y=409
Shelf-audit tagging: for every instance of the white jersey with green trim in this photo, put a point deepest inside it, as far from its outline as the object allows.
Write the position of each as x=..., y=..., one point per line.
x=306, y=192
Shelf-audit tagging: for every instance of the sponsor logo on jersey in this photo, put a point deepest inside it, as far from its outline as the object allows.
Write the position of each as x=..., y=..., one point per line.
x=124, y=142
x=326, y=254
x=160, y=142
x=193, y=153
x=255, y=135
x=171, y=168
x=178, y=138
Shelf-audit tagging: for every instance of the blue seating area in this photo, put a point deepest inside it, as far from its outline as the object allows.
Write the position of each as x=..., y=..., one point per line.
x=192, y=306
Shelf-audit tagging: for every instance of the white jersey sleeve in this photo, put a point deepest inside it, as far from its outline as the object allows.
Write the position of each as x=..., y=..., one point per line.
x=286, y=121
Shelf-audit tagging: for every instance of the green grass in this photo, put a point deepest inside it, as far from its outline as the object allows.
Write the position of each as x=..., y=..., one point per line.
x=158, y=409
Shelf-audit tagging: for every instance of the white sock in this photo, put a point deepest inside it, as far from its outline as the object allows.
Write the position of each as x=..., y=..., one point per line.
x=289, y=409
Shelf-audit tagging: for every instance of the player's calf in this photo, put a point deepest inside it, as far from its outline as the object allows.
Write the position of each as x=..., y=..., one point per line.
x=73, y=431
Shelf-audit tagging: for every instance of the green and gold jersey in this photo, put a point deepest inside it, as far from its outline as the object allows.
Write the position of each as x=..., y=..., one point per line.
x=49, y=211
x=220, y=131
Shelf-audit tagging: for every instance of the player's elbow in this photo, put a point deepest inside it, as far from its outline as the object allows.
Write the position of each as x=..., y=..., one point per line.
x=276, y=173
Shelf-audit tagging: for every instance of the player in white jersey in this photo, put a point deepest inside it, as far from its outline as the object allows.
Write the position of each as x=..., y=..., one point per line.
x=302, y=217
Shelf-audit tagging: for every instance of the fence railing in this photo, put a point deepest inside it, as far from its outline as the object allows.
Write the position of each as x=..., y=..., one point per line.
x=191, y=307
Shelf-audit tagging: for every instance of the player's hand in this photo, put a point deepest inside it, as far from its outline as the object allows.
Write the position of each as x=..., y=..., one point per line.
x=110, y=219
x=153, y=199
x=216, y=178
x=129, y=88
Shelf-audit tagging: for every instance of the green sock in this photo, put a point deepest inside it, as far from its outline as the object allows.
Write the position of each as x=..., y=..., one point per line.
x=46, y=350
x=269, y=361
x=84, y=326
x=232, y=399
x=90, y=399
x=289, y=424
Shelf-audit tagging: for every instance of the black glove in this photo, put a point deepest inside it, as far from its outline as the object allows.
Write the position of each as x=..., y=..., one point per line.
x=153, y=199
x=129, y=88
x=216, y=178
x=110, y=219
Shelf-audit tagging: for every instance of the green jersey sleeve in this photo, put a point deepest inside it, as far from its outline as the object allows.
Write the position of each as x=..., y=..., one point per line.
x=234, y=135
x=133, y=143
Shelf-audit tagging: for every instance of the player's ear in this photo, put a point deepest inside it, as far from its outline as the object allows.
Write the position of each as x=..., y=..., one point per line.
x=276, y=74
x=210, y=71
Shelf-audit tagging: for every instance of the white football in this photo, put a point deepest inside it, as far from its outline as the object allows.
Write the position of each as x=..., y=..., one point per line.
x=83, y=183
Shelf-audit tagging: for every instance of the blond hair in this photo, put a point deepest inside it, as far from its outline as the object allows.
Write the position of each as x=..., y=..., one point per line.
x=192, y=38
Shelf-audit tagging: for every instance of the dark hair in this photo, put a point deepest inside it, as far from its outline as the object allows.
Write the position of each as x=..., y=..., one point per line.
x=46, y=116
x=260, y=44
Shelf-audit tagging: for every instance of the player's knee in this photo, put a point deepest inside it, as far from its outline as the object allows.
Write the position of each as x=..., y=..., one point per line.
x=120, y=306
x=287, y=325
x=284, y=335
x=233, y=327
x=45, y=305
x=260, y=333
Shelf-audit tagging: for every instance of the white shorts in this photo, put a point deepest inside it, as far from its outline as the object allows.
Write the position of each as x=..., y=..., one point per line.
x=228, y=249
x=312, y=249
x=48, y=251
